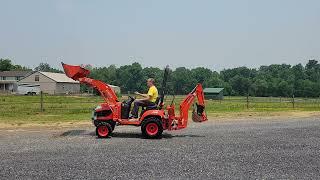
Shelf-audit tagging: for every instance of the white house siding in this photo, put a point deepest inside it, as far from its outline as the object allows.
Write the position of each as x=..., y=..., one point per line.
x=63, y=88
x=47, y=85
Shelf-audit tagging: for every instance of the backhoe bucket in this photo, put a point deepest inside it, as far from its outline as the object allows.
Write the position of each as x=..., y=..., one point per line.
x=75, y=72
x=198, y=113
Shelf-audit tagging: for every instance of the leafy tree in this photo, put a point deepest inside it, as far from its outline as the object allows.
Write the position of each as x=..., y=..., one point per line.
x=201, y=75
x=260, y=87
x=313, y=70
x=183, y=81
x=241, y=85
x=273, y=80
x=129, y=77
x=284, y=89
x=45, y=67
x=6, y=65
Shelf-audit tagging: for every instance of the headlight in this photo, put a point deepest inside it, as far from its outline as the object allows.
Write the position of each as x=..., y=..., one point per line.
x=94, y=115
x=98, y=107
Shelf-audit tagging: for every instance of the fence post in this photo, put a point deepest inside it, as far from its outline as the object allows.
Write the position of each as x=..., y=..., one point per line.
x=41, y=101
x=248, y=101
x=293, y=101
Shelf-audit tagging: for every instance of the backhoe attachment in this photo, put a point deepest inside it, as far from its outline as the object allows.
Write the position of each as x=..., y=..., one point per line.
x=198, y=113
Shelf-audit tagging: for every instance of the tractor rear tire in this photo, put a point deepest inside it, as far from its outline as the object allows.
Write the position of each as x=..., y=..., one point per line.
x=103, y=130
x=151, y=128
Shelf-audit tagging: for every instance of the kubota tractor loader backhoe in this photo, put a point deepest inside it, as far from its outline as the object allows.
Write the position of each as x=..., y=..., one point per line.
x=153, y=119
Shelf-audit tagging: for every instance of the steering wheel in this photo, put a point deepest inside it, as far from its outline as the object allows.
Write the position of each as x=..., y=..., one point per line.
x=132, y=98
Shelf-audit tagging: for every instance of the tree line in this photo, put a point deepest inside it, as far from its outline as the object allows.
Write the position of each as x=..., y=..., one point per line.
x=277, y=80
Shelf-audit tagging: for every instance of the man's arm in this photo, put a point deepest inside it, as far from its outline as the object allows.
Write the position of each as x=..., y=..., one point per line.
x=146, y=96
x=140, y=94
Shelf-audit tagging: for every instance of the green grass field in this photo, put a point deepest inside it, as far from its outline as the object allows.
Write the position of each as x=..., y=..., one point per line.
x=17, y=110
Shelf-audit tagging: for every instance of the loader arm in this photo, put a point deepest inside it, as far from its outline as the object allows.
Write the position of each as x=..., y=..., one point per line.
x=80, y=74
x=198, y=114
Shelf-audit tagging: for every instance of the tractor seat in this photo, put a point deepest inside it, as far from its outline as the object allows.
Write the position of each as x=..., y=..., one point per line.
x=154, y=105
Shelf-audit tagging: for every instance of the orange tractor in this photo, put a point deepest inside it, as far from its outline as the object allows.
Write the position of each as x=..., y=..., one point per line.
x=153, y=119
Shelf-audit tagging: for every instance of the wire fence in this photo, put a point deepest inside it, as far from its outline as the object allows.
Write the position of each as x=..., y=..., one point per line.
x=84, y=104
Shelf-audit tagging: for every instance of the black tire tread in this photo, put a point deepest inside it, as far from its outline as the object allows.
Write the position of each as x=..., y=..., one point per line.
x=144, y=123
x=104, y=124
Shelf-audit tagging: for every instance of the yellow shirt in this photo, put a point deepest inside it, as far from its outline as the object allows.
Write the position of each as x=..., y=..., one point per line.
x=153, y=93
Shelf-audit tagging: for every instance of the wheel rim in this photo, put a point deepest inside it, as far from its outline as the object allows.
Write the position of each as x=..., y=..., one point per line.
x=152, y=129
x=103, y=131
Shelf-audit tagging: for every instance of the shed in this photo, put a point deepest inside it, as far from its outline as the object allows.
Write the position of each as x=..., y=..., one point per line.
x=52, y=83
x=213, y=93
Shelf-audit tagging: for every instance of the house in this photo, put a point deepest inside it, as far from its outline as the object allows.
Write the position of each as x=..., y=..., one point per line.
x=213, y=93
x=115, y=88
x=52, y=83
x=9, y=79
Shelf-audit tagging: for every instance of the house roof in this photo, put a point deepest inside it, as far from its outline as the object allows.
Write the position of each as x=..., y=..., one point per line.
x=58, y=77
x=14, y=73
x=212, y=90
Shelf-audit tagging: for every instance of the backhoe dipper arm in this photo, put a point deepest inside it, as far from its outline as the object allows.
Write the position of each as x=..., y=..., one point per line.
x=199, y=115
x=80, y=74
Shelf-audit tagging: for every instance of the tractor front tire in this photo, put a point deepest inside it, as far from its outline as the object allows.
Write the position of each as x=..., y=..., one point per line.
x=103, y=130
x=112, y=124
x=151, y=128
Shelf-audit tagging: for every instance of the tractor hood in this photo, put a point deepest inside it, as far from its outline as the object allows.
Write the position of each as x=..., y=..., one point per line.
x=75, y=72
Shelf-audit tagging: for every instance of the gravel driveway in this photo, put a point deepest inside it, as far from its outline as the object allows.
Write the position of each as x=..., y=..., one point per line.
x=244, y=149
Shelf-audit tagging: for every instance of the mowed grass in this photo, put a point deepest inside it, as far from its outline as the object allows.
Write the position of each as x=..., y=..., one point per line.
x=57, y=109
x=17, y=110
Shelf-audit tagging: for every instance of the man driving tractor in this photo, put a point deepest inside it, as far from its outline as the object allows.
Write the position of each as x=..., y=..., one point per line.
x=147, y=100
x=154, y=119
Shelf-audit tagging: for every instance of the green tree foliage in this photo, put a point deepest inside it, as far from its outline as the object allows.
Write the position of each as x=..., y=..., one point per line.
x=45, y=67
x=273, y=80
x=6, y=65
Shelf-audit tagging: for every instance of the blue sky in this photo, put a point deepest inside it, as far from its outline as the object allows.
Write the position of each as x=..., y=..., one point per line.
x=213, y=34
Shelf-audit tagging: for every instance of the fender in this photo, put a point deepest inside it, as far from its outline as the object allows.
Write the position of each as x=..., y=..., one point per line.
x=159, y=113
x=103, y=112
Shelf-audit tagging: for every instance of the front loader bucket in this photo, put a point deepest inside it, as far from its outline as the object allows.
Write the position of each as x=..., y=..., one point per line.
x=198, y=113
x=75, y=72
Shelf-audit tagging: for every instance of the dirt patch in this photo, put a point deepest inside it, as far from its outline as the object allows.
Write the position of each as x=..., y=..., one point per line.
x=5, y=126
x=73, y=133
x=211, y=116
x=262, y=115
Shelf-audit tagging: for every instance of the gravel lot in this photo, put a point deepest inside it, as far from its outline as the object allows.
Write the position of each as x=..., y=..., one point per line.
x=244, y=149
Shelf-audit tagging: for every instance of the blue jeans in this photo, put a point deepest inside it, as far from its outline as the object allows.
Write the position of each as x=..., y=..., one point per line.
x=137, y=104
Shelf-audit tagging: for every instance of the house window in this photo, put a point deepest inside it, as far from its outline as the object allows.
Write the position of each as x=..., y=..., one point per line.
x=3, y=78
x=36, y=78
